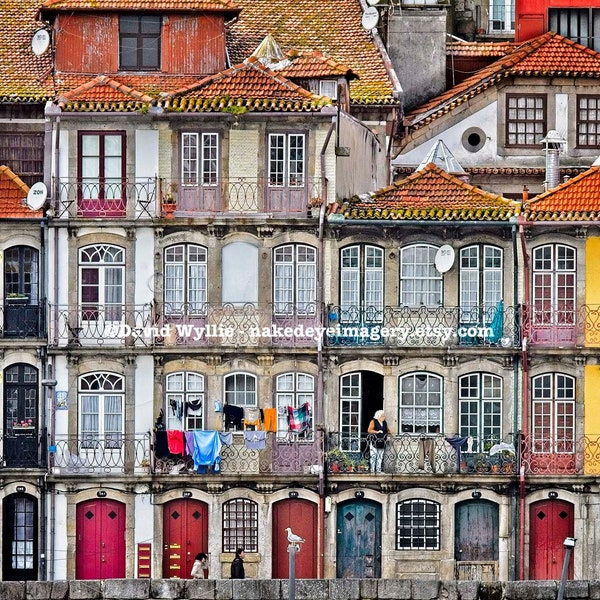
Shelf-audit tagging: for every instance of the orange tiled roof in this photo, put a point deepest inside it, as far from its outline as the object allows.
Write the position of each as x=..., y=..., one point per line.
x=247, y=86
x=305, y=65
x=478, y=49
x=548, y=55
x=154, y=5
x=577, y=199
x=24, y=77
x=332, y=26
x=432, y=195
x=12, y=193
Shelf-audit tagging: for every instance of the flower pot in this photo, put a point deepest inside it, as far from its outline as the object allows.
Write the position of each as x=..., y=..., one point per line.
x=169, y=209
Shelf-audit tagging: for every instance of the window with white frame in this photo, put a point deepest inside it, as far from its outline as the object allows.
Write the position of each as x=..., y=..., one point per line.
x=480, y=283
x=286, y=154
x=295, y=390
x=361, y=283
x=295, y=279
x=350, y=411
x=525, y=119
x=199, y=158
x=480, y=409
x=240, y=389
x=554, y=280
x=185, y=279
x=502, y=13
x=184, y=399
x=588, y=121
x=420, y=281
x=240, y=525
x=553, y=408
x=420, y=405
x=418, y=525
x=101, y=399
x=101, y=277
x=329, y=88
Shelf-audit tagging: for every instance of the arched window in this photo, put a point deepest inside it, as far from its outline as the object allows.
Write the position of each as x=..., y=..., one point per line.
x=184, y=399
x=240, y=389
x=417, y=525
x=420, y=281
x=185, y=279
x=294, y=390
x=20, y=539
x=420, y=403
x=240, y=525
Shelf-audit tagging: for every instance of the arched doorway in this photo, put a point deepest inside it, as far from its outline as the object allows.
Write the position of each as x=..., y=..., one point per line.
x=20, y=538
x=476, y=540
x=358, y=543
x=185, y=533
x=550, y=522
x=100, y=547
x=301, y=516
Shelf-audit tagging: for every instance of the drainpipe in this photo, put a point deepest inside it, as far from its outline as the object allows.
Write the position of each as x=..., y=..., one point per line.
x=514, y=505
x=525, y=384
x=319, y=406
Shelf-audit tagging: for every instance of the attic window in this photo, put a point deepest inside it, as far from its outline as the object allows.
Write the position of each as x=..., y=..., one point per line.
x=139, y=42
x=328, y=87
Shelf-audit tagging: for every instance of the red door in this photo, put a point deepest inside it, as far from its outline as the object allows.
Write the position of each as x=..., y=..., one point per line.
x=550, y=522
x=100, y=546
x=301, y=516
x=185, y=533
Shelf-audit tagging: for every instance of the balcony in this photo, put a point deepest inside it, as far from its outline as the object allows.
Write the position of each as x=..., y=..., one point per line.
x=416, y=454
x=114, y=454
x=21, y=319
x=24, y=449
x=281, y=455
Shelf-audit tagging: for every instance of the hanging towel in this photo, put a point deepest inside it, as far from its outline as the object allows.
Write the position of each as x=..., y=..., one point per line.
x=207, y=447
x=175, y=441
x=255, y=440
x=162, y=447
x=189, y=443
x=299, y=418
x=233, y=416
x=497, y=324
x=270, y=419
x=226, y=438
x=457, y=442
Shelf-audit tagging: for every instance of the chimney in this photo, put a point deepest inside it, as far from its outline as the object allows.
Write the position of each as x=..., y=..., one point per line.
x=553, y=143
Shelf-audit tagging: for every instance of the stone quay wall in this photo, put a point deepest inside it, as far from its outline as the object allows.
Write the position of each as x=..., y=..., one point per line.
x=305, y=589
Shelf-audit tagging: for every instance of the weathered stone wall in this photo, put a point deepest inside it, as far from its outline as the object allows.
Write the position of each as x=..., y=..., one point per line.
x=306, y=589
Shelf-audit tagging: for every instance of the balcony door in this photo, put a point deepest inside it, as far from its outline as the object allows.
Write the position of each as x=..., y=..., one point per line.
x=19, y=538
x=21, y=310
x=21, y=416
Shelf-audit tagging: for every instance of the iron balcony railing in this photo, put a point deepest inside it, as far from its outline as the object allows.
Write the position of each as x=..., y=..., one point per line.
x=282, y=454
x=23, y=450
x=89, y=454
x=417, y=454
x=21, y=319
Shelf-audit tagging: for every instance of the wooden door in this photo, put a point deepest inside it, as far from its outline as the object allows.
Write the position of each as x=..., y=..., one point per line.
x=100, y=547
x=20, y=538
x=358, y=539
x=476, y=540
x=185, y=533
x=550, y=522
x=301, y=517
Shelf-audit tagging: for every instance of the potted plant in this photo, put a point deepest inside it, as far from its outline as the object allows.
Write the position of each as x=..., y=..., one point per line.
x=313, y=204
x=337, y=461
x=169, y=202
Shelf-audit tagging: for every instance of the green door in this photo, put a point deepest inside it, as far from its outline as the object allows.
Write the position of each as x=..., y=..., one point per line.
x=358, y=539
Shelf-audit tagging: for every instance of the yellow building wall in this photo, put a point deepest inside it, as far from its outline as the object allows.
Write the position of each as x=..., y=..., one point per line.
x=592, y=291
x=591, y=426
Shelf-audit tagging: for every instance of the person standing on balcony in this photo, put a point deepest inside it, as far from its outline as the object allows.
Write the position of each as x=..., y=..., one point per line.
x=237, y=565
x=378, y=434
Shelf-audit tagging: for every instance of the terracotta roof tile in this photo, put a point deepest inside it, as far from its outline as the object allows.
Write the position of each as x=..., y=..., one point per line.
x=548, y=55
x=155, y=5
x=305, y=65
x=577, y=199
x=12, y=193
x=433, y=195
x=477, y=49
x=24, y=77
x=247, y=86
x=332, y=26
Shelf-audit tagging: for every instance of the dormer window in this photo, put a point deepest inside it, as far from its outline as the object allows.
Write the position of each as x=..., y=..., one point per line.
x=139, y=42
x=328, y=87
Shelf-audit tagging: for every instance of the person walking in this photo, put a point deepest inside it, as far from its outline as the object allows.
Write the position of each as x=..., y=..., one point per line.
x=200, y=566
x=237, y=565
x=378, y=434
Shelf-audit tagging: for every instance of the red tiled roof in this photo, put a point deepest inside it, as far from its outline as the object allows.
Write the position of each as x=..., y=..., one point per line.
x=577, y=199
x=24, y=77
x=332, y=26
x=433, y=195
x=477, y=49
x=12, y=193
x=305, y=65
x=549, y=55
x=146, y=5
x=247, y=86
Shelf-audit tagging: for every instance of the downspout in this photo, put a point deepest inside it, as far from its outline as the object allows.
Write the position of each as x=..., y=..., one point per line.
x=43, y=431
x=525, y=394
x=516, y=441
x=319, y=298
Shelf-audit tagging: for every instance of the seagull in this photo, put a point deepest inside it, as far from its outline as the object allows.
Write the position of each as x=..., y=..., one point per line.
x=292, y=537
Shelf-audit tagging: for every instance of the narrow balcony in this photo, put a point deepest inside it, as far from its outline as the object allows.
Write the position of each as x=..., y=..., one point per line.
x=22, y=318
x=23, y=447
x=415, y=454
x=283, y=455
x=96, y=454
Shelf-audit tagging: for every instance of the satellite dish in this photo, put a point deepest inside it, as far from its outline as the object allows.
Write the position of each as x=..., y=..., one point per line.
x=370, y=18
x=40, y=42
x=372, y=2
x=36, y=197
x=444, y=258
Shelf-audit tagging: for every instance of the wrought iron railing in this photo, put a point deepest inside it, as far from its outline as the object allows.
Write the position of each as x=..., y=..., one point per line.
x=20, y=319
x=416, y=454
x=24, y=450
x=116, y=453
x=284, y=455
